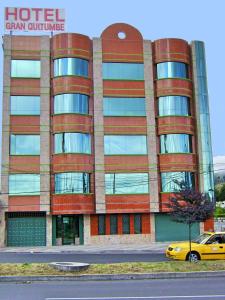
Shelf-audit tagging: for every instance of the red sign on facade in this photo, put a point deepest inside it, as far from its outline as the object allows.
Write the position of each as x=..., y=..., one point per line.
x=34, y=19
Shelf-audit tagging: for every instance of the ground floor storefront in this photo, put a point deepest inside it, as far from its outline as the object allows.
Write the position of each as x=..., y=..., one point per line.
x=40, y=229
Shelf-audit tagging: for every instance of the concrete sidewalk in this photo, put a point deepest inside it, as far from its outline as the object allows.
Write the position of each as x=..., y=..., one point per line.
x=120, y=248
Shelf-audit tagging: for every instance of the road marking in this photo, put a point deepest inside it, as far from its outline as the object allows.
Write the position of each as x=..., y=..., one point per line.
x=147, y=297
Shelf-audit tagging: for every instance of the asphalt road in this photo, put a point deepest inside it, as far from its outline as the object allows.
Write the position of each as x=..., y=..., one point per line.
x=101, y=258
x=176, y=289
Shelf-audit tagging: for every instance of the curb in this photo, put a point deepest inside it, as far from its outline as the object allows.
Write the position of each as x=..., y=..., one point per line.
x=109, y=277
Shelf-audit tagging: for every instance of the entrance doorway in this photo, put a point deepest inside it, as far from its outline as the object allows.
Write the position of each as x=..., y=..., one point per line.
x=68, y=230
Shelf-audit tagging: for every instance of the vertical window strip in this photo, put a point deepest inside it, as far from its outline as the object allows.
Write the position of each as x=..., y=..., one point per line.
x=101, y=224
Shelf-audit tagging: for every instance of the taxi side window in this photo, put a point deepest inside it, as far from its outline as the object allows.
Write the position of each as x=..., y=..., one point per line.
x=223, y=238
x=216, y=239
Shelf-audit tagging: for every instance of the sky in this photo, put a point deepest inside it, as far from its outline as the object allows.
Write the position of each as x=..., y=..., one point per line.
x=190, y=20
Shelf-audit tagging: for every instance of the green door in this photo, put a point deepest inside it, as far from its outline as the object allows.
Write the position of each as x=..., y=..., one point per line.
x=26, y=231
x=167, y=230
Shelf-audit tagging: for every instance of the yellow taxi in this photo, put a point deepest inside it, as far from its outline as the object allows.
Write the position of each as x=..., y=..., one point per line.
x=209, y=245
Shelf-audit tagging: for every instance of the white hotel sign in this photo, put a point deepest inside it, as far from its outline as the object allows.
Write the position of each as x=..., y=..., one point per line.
x=34, y=19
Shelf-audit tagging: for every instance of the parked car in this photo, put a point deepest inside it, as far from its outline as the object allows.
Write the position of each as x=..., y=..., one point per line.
x=209, y=245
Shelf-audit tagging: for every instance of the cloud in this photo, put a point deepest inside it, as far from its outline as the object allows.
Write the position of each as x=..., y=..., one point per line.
x=219, y=163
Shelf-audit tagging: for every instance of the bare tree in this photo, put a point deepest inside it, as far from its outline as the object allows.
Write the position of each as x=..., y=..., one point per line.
x=189, y=206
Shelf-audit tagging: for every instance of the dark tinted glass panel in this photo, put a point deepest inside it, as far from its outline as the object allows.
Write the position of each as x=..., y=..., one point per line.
x=126, y=223
x=137, y=224
x=113, y=224
x=101, y=224
x=123, y=71
x=70, y=66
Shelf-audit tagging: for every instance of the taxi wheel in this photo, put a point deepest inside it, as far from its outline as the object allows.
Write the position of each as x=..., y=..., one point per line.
x=194, y=257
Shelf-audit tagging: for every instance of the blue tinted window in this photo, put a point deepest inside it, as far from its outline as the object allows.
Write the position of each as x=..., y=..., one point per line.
x=126, y=183
x=25, y=144
x=72, y=142
x=70, y=66
x=168, y=178
x=123, y=71
x=72, y=183
x=125, y=144
x=71, y=103
x=26, y=68
x=175, y=143
x=172, y=70
x=25, y=105
x=24, y=184
x=124, y=107
x=173, y=106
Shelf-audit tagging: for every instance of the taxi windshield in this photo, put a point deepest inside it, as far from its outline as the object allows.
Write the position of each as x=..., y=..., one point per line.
x=201, y=239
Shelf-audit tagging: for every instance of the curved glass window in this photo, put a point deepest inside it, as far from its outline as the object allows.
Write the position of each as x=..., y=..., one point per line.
x=168, y=178
x=175, y=143
x=25, y=105
x=72, y=142
x=126, y=183
x=172, y=70
x=124, y=106
x=24, y=144
x=25, y=68
x=70, y=66
x=174, y=106
x=123, y=71
x=71, y=103
x=72, y=183
x=125, y=144
x=24, y=184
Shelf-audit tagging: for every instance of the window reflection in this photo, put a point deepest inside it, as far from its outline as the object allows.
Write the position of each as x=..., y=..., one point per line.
x=126, y=183
x=174, y=106
x=168, y=180
x=175, y=143
x=71, y=103
x=123, y=71
x=24, y=184
x=72, y=142
x=172, y=70
x=26, y=68
x=24, y=144
x=125, y=144
x=124, y=106
x=70, y=66
x=72, y=183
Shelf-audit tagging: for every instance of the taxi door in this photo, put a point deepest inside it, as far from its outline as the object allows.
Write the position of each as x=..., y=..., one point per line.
x=214, y=247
